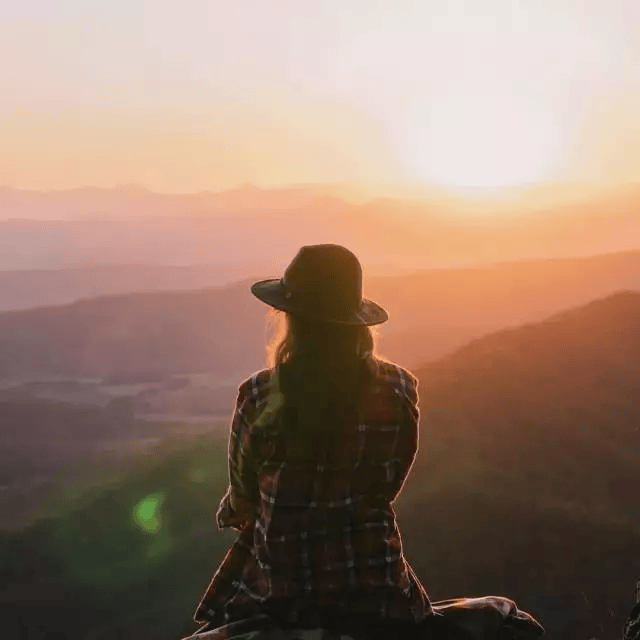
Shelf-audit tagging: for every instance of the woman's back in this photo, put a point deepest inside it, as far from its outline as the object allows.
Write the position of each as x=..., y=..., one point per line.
x=324, y=535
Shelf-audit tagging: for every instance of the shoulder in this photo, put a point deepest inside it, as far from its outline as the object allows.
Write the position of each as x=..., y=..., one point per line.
x=256, y=387
x=401, y=381
x=259, y=399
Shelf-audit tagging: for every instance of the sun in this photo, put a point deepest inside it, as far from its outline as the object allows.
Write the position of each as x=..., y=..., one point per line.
x=480, y=142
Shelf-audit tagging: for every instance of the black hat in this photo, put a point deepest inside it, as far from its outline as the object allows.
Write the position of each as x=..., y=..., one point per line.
x=324, y=283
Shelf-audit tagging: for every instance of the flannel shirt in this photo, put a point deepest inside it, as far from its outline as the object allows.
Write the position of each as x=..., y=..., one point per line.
x=318, y=535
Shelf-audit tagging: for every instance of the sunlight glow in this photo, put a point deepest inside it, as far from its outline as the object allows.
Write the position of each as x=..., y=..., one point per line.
x=481, y=142
x=460, y=93
x=481, y=93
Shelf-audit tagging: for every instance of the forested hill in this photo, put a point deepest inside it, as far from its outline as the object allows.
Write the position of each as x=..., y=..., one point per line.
x=552, y=407
x=529, y=466
x=525, y=485
x=219, y=330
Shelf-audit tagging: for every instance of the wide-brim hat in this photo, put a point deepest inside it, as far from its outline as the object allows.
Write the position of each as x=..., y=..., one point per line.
x=323, y=283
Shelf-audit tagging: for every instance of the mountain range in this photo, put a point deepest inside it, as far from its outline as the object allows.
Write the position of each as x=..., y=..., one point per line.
x=525, y=484
x=97, y=226
x=521, y=323
x=221, y=330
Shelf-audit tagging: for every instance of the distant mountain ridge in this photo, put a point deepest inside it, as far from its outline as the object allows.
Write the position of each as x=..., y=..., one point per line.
x=25, y=289
x=222, y=329
x=187, y=331
x=29, y=288
x=89, y=226
x=137, y=201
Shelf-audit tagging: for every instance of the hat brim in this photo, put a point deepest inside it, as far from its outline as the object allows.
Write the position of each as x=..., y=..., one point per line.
x=272, y=292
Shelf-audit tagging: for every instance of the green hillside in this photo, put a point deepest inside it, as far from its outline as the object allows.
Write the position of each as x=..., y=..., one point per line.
x=134, y=562
x=525, y=486
x=135, y=559
x=559, y=400
x=530, y=463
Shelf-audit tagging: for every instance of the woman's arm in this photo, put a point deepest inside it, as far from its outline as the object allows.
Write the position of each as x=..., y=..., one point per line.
x=408, y=436
x=238, y=506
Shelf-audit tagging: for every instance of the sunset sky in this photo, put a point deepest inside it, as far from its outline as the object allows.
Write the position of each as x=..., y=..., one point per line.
x=198, y=95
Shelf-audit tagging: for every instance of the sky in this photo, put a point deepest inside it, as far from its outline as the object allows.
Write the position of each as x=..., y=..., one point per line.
x=202, y=95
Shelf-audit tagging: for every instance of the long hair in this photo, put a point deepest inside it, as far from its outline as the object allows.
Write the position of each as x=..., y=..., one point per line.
x=323, y=370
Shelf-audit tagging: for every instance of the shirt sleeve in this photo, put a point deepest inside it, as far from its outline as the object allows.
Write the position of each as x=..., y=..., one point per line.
x=410, y=418
x=238, y=506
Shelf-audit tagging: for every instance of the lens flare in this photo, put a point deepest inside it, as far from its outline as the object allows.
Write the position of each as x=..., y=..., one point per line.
x=146, y=513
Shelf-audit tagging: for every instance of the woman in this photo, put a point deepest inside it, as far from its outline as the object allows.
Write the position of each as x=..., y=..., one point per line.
x=320, y=446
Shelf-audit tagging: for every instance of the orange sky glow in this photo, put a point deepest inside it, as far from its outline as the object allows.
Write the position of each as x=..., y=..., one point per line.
x=449, y=94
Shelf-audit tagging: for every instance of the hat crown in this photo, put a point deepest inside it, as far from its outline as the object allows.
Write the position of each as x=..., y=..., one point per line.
x=322, y=283
x=326, y=278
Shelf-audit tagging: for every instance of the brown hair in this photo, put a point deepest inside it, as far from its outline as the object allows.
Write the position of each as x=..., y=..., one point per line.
x=290, y=334
x=323, y=369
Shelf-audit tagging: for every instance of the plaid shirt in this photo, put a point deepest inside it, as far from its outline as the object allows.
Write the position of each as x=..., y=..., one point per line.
x=318, y=534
